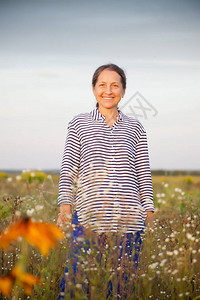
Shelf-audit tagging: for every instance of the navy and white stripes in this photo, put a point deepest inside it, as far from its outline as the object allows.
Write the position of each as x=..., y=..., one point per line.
x=105, y=172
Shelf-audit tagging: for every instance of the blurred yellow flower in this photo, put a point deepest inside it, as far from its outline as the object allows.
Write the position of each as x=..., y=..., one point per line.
x=26, y=280
x=41, y=235
x=6, y=284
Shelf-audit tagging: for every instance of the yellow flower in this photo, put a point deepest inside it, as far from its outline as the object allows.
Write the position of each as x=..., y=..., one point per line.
x=26, y=280
x=6, y=284
x=41, y=235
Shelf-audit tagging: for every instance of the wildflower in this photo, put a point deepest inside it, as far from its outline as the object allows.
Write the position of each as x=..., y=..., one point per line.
x=169, y=253
x=174, y=272
x=6, y=285
x=18, y=177
x=79, y=286
x=9, y=179
x=30, y=212
x=39, y=207
x=18, y=213
x=41, y=235
x=153, y=266
x=175, y=252
x=177, y=190
x=189, y=236
x=163, y=262
x=26, y=280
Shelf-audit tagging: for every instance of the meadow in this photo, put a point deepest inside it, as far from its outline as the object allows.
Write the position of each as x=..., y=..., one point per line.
x=169, y=266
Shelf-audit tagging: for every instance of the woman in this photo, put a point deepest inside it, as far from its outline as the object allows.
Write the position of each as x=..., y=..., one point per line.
x=106, y=160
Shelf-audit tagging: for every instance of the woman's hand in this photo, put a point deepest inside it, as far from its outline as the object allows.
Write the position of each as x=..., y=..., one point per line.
x=65, y=216
x=149, y=219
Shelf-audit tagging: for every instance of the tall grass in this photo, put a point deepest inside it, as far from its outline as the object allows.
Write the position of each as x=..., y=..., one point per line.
x=170, y=257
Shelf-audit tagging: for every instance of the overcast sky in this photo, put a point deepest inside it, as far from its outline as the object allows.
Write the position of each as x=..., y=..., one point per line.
x=49, y=51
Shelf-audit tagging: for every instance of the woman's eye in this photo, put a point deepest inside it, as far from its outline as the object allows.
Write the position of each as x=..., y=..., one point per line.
x=115, y=85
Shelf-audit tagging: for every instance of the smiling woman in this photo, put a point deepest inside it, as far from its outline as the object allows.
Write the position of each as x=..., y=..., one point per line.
x=106, y=162
x=108, y=91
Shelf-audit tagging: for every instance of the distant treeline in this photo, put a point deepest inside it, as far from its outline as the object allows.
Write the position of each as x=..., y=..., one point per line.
x=175, y=172
x=159, y=172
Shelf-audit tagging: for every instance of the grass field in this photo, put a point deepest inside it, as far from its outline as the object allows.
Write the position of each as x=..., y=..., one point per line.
x=169, y=266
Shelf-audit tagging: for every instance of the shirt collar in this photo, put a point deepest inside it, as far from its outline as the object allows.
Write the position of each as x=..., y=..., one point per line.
x=97, y=115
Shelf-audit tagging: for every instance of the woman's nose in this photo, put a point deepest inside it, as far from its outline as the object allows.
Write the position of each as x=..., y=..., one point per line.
x=108, y=90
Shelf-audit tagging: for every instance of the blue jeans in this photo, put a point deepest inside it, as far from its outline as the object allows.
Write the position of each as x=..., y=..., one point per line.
x=129, y=243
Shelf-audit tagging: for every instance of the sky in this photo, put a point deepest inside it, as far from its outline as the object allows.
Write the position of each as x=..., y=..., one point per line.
x=49, y=51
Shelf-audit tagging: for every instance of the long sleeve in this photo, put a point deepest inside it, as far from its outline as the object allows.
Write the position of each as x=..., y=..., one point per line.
x=69, y=167
x=143, y=172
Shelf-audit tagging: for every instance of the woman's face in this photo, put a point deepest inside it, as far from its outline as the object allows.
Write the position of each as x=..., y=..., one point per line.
x=108, y=90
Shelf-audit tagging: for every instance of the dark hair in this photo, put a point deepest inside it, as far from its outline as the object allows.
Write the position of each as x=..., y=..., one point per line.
x=111, y=67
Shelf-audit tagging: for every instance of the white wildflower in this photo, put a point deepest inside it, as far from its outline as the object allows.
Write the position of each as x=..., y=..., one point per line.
x=39, y=207
x=174, y=272
x=163, y=262
x=153, y=266
x=188, y=236
x=18, y=213
x=30, y=212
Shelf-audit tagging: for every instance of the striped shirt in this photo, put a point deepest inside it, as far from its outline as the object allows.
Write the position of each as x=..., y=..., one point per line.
x=105, y=172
